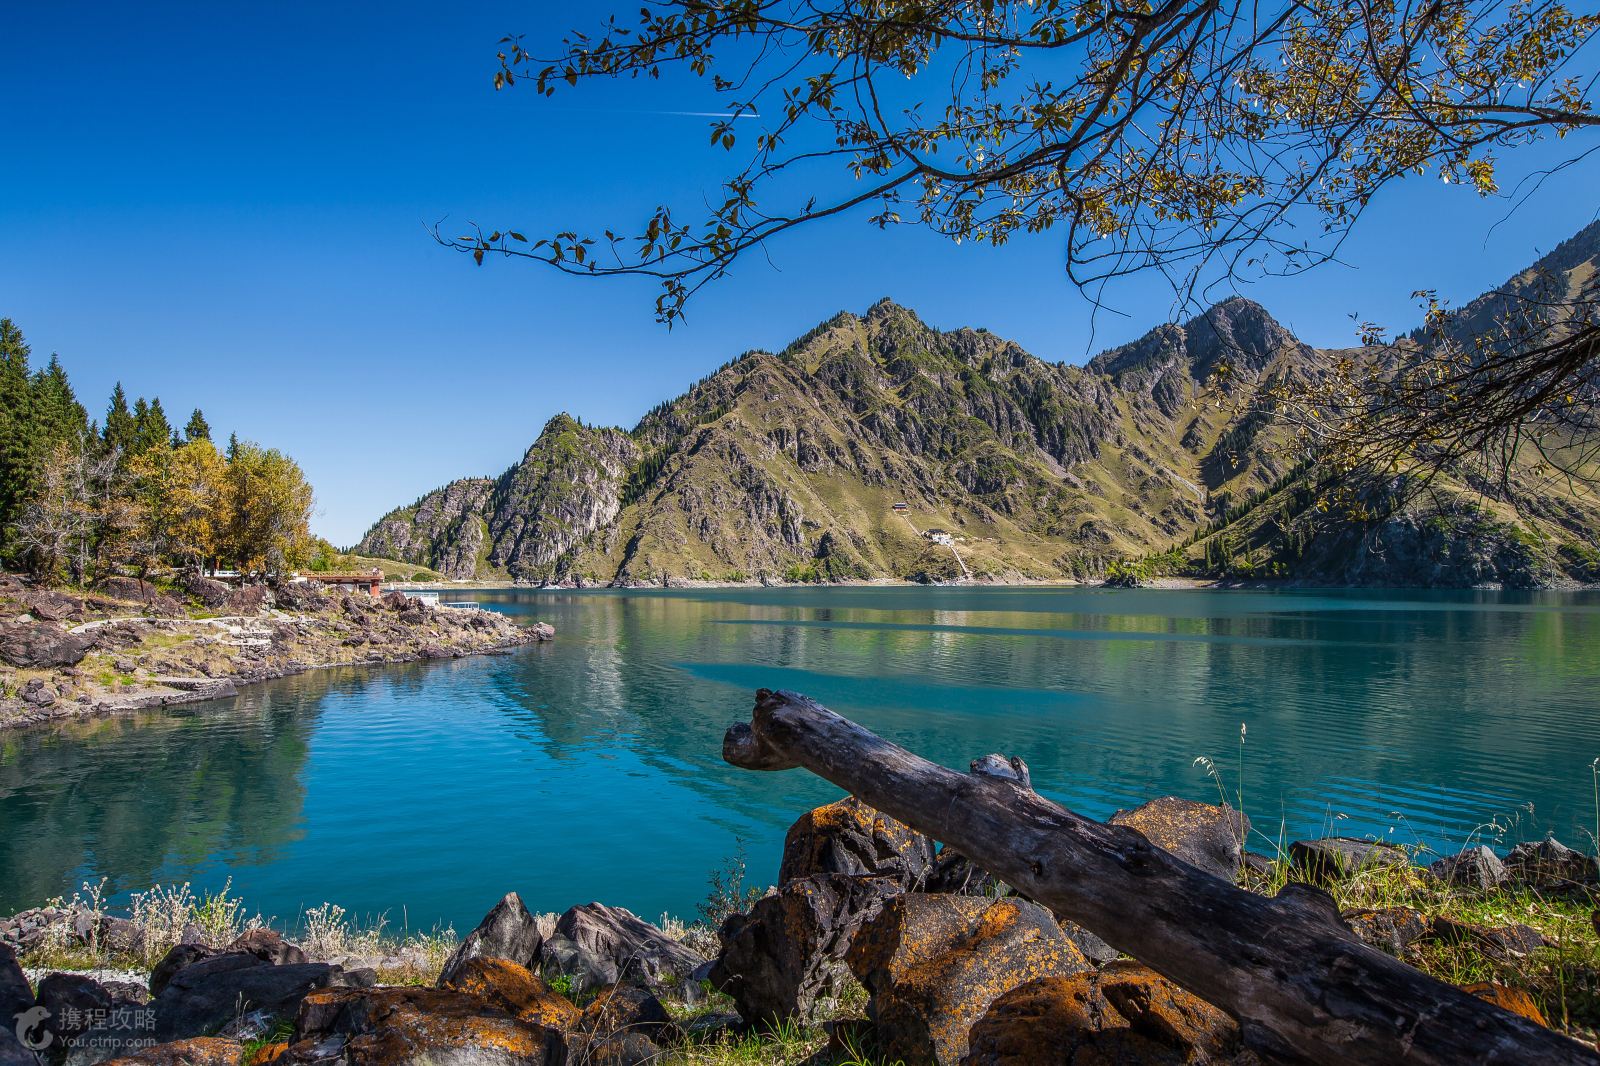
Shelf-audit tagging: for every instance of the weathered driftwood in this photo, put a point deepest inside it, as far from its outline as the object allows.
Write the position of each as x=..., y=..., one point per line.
x=1286, y=967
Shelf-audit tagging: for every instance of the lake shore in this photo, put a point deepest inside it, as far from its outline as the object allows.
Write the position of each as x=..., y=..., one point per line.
x=1515, y=932
x=131, y=646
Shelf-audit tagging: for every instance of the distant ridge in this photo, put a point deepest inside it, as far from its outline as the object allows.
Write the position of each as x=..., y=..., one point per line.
x=786, y=466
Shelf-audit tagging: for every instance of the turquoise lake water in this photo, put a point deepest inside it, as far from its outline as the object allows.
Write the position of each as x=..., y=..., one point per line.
x=589, y=768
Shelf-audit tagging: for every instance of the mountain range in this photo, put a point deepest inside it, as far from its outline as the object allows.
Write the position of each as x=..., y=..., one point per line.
x=791, y=466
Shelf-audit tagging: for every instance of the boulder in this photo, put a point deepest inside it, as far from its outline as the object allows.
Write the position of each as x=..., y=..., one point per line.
x=626, y=1009
x=1391, y=930
x=513, y=989
x=561, y=958
x=199, y=1051
x=1549, y=864
x=639, y=952
x=848, y=837
x=303, y=595
x=1479, y=869
x=785, y=958
x=1334, y=859
x=507, y=932
x=39, y=693
x=934, y=964
x=1514, y=1000
x=73, y=1002
x=1127, y=1015
x=1502, y=943
x=16, y=995
x=955, y=873
x=177, y=957
x=41, y=646
x=248, y=599
x=142, y=592
x=1094, y=949
x=542, y=631
x=397, y=601
x=268, y=946
x=12, y=1050
x=624, y=1049
x=201, y=998
x=208, y=592
x=396, y=1026
x=54, y=607
x=1207, y=837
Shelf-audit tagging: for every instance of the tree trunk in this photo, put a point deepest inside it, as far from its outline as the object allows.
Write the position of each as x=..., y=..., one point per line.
x=1298, y=981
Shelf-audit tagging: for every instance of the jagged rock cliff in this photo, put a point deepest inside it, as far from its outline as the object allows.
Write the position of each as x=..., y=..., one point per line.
x=789, y=464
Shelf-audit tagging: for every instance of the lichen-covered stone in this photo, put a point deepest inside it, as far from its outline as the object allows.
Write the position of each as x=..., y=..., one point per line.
x=626, y=1009
x=1476, y=868
x=849, y=837
x=404, y=1026
x=785, y=958
x=1205, y=836
x=1126, y=1015
x=1514, y=1000
x=514, y=989
x=196, y=1051
x=1550, y=864
x=933, y=965
x=1391, y=930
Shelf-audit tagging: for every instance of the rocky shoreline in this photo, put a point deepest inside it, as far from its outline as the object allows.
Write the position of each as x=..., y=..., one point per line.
x=129, y=645
x=881, y=944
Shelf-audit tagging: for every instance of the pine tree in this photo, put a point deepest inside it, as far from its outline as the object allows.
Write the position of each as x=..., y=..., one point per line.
x=233, y=446
x=151, y=429
x=16, y=425
x=198, y=428
x=120, y=427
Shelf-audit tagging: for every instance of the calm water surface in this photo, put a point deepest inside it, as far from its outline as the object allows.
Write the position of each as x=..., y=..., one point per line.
x=589, y=768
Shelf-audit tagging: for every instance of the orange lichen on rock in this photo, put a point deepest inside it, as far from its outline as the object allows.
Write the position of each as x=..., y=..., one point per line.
x=849, y=837
x=934, y=965
x=515, y=990
x=198, y=1051
x=1514, y=1000
x=392, y=1026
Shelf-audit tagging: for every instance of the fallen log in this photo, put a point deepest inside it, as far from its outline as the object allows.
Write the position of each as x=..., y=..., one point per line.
x=1297, y=980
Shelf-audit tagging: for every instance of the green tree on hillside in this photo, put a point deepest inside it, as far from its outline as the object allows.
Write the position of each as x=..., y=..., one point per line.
x=197, y=428
x=119, y=429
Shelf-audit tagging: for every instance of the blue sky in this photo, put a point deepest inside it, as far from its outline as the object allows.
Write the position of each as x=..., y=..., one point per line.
x=227, y=206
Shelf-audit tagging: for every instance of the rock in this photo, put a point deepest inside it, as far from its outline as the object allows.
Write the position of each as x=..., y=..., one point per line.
x=1549, y=864
x=785, y=958
x=1476, y=868
x=1391, y=930
x=268, y=946
x=401, y=1026
x=1334, y=859
x=39, y=692
x=542, y=631
x=1514, y=1000
x=1503, y=943
x=12, y=1051
x=513, y=989
x=40, y=646
x=397, y=601
x=848, y=837
x=1207, y=837
x=207, y=591
x=1094, y=949
x=624, y=1049
x=204, y=996
x=302, y=596
x=638, y=951
x=199, y=1051
x=177, y=957
x=507, y=932
x=626, y=1009
x=74, y=1002
x=143, y=592
x=560, y=957
x=52, y=606
x=933, y=965
x=1126, y=1014
x=248, y=599
x=955, y=873
x=16, y=995
x=1162, y=1011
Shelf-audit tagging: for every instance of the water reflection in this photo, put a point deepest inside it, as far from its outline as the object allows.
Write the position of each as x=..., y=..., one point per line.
x=590, y=768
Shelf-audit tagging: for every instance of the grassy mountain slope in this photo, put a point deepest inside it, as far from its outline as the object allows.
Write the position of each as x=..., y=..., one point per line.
x=788, y=464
